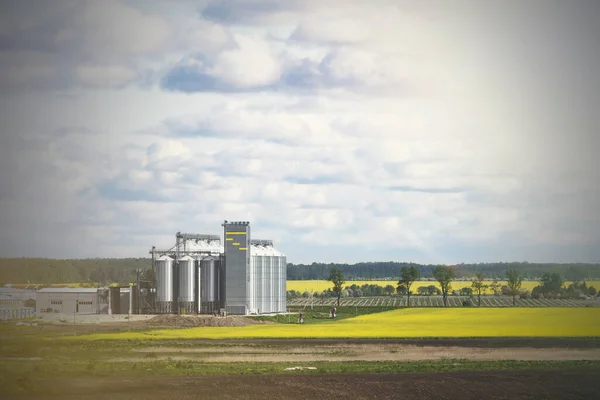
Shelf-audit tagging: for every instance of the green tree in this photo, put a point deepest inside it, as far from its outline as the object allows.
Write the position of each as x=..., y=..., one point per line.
x=514, y=281
x=479, y=286
x=408, y=275
x=495, y=286
x=433, y=290
x=444, y=275
x=551, y=283
x=337, y=278
x=389, y=290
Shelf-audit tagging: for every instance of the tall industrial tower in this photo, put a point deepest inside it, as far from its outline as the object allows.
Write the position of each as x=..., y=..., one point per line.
x=234, y=295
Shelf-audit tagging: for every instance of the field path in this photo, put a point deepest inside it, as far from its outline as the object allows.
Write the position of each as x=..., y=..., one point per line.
x=360, y=352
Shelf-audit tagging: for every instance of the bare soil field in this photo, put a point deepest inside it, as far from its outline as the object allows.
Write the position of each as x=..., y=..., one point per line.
x=497, y=385
x=358, y=352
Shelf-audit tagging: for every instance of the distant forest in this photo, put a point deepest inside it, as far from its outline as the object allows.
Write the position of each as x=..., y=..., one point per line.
x=107, y=270
x=384, y=270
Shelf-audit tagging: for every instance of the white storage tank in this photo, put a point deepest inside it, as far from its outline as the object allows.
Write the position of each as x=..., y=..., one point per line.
x=268, y=271
x=209, y=281
x=164, y=284
x=187, y=285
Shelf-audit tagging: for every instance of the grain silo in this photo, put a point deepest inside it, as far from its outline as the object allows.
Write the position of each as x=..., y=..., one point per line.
x=187, y=285
x=209, y=285
x=164, y=285
x=268, y=276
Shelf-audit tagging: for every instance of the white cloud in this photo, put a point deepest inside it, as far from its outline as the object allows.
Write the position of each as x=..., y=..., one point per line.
x=251, y=63
x=408, y=140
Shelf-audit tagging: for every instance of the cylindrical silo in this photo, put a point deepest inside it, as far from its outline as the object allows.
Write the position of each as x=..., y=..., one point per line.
x=282, y=281
x=209, y=281
x=187, y=285
x=164, y=285
x=269, y=292
x=198, y=285
x=275, y=272
x=250, y=283
x=260, y=283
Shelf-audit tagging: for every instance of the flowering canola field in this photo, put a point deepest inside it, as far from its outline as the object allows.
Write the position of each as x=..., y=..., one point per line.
x=403, y=323
x=321, y=285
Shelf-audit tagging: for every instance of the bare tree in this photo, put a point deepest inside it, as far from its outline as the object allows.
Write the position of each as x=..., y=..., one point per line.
x=444, y=275
x=479, y=286
x=408, y=275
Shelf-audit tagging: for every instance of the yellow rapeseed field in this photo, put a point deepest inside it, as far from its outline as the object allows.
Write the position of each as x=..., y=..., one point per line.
x=405, y=323
x=319, y=285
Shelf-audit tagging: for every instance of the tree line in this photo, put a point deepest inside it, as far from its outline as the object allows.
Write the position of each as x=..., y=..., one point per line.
x=40, y=271
x=551, y=285
x=389, y=270
x=112, y=270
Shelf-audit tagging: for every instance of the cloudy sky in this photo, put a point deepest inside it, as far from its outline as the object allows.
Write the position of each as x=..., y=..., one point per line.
x=345, y=131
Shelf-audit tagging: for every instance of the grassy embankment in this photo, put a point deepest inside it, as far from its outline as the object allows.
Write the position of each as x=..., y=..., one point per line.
x=402, y=323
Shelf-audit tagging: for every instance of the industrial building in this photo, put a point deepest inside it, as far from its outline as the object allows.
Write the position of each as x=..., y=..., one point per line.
x=113, y=300
x=202, y=274
x=13, y=305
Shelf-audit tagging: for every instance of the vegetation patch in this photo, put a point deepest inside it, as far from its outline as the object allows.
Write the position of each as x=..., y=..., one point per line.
x=403, y=323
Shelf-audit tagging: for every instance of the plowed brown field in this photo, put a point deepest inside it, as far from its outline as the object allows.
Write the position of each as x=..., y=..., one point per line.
x=440, y=386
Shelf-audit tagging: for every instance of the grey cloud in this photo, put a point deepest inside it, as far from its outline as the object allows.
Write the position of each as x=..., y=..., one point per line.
x=117, y=189
x=302, y=75
x=425, y=189
x=320, y=179
x=246, y=11
x=68, y=44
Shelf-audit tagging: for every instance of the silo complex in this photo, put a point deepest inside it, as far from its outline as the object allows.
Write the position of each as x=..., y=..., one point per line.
x=204, y=274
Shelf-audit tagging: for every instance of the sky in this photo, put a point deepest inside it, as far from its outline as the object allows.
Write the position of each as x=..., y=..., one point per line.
x=345, y=131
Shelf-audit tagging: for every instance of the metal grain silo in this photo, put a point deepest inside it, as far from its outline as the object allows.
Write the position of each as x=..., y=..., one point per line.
x=269, y=292
x=164, y=284
x=282, y=305
x=253, y=283
x=187, y=285
x=209, y=284
x=263, y=261
x=250, y=283
x=275, y=273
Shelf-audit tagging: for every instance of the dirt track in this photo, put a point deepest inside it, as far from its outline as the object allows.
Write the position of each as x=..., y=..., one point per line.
x=456, y=385
x=357, y=352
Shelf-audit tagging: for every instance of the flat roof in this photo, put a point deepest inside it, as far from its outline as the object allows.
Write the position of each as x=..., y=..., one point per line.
x=68, y=290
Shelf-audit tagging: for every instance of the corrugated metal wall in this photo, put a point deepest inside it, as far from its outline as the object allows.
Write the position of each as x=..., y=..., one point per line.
x=267, y=279
x=237, y=263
